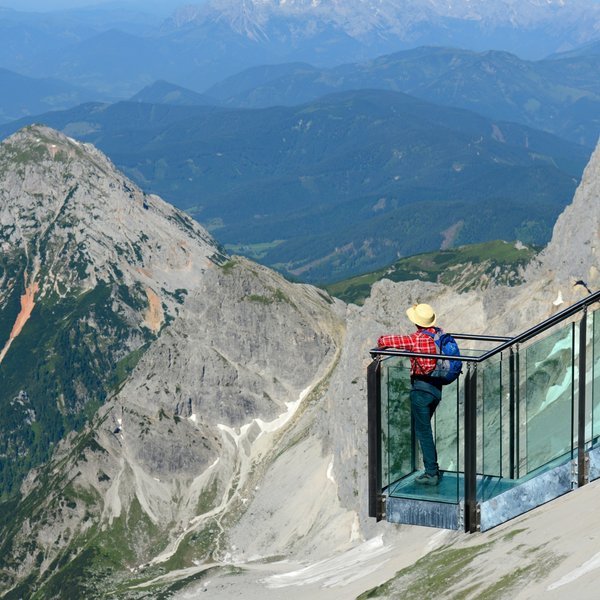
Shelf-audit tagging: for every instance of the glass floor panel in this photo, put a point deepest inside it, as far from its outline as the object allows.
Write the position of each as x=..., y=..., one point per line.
x=450, y=489
x=446, y=491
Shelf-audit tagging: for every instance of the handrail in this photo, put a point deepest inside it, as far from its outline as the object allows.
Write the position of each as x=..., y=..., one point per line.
x=545, y=325
x=397, y=352
x=481, y=338
x=508, y=342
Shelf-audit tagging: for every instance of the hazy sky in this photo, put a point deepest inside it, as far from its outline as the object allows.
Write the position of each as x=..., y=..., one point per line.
x=48, y=5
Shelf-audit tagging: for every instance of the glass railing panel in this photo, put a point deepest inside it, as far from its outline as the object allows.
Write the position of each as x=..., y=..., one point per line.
x=496, y=437
x=594, y=370
x=401, y=457
x=547, y=389
x=491, y=415
x=447, y=429
x=397, y=448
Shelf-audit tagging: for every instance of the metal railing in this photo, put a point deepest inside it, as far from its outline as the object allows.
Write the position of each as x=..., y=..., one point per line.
x=502, y=344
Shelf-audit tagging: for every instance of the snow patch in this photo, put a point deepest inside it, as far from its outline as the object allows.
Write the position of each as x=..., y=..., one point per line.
x=559, y=299
x=233, y=433
x=266, y=426
x=330, y=472
x=281, y=420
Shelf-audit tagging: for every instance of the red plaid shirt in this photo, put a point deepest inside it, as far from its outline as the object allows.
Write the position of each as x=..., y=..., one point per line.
x=415, y=342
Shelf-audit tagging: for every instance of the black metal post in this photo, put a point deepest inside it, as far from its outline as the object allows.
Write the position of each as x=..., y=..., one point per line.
x=573, y=418
x=501, y=416
x=581, y=470
x=470, y=507
x=374, y=436
x=517, y=412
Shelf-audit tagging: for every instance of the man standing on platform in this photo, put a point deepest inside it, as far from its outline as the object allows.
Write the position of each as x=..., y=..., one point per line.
x=426, y=393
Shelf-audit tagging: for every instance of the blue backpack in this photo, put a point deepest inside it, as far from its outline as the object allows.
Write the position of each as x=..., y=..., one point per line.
x=446, y=369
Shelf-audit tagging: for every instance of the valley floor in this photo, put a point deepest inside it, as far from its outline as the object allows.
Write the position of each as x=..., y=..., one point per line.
x=340, y=577
x=551, y=552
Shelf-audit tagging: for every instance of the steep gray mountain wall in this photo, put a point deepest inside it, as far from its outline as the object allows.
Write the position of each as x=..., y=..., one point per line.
x=231, y=356
x=573, y=254
x=75, y=216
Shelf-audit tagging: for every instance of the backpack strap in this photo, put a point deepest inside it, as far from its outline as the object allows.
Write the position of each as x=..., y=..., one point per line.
x=434, y=336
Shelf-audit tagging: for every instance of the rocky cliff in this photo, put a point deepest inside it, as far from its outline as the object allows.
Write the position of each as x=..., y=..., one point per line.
x=114, y=301
x=84, y=288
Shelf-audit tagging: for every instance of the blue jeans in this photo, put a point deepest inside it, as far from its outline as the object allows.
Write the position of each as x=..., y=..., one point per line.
x=423, y=404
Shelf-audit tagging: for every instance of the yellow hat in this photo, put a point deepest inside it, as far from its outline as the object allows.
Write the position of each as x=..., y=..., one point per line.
x=422, y=315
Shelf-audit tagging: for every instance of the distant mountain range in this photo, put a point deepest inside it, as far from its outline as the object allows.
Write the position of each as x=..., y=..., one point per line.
x=163, y=92
x=335, y=171
x=560, y=95
x=119, y=52
x=23, y=96
x=533, y=29
x=342, y=185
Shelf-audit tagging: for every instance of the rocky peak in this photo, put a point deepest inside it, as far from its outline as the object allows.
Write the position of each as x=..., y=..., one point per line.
x=252, y=17
x=91, y=270
x=77, y=220
x=573, y=254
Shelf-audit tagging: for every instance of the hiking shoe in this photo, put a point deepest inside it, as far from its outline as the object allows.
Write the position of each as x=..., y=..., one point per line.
x=427, y=479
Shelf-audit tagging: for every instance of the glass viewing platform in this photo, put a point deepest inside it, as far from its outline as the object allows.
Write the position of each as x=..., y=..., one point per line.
x=520, y=426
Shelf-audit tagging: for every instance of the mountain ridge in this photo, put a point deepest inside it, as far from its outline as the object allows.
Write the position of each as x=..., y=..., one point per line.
x=554, y=95
x=373, y=160
x=200, y=45
x=27, y=95
x=64, y=254
x=384, y=17
x=156, y=393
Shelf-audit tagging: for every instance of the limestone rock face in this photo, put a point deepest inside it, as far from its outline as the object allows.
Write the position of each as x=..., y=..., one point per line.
x=79, y=221
x=194, y=361
x=573, y=254
x=246, y=343
x=91, y=270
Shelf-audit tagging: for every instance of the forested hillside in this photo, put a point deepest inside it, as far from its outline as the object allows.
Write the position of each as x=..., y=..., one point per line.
x=341, y=185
